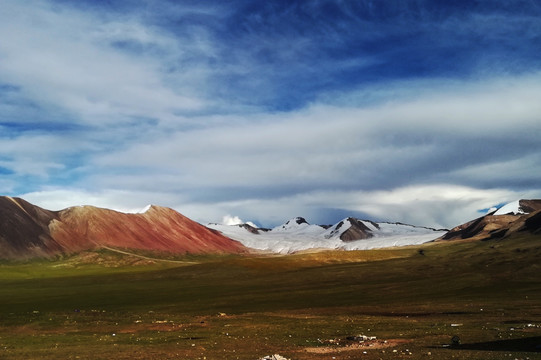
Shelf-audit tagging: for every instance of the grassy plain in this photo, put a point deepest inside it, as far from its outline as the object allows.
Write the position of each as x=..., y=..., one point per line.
x=107, y=305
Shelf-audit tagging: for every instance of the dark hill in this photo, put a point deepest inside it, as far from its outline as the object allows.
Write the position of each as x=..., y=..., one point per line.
x=24, y=229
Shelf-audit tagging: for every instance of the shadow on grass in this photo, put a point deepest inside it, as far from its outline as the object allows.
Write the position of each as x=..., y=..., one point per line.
x=529, y=344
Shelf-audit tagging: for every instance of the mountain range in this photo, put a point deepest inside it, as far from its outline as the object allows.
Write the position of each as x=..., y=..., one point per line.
x=28, y=231
x=348, y=234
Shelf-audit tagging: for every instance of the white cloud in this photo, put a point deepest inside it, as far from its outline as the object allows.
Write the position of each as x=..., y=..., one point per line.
x=138, y=142
x=66, y=58
x=438, y=205
x=516, y=169
x=120, y=200
x=374, y=160
x=326, y=146
x=235, y=220
x=231, y=220
x=36, y=154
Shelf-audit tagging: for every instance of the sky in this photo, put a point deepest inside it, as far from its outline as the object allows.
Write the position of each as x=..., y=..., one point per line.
x=423, y=112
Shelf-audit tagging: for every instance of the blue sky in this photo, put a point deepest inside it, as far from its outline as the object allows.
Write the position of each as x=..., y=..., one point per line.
x=415, y=111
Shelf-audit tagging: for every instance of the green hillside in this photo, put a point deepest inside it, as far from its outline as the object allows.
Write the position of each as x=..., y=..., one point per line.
x=413, y=300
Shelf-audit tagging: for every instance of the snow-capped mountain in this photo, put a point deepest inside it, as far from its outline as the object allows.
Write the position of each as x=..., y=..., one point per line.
x=519, y=207
x=349, y=234
x=521, y=216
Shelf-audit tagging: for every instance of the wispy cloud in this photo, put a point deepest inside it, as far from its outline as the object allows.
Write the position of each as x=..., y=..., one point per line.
x=263, y=110
x=422, y=144
x=82, y=64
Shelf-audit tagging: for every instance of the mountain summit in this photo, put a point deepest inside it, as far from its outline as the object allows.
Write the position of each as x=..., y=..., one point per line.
x=518, y=216
x=29, y=231
x=518, y=207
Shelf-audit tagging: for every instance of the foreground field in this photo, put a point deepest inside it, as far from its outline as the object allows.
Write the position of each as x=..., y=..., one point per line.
x=108, y=305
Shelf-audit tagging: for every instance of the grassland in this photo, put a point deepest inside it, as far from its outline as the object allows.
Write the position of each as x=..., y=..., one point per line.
x=108, y=305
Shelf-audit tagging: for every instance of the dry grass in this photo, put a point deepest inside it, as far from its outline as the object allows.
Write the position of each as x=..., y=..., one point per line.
x=301, y=306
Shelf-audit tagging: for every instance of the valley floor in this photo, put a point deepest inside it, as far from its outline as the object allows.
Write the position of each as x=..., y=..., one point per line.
x=412, y=300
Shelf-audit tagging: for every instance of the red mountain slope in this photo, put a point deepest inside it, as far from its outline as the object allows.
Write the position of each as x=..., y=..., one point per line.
x=28, y=231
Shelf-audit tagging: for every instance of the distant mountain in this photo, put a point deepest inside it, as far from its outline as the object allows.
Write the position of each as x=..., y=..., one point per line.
x=349, y=234
x=521, y=216
x=28, y=231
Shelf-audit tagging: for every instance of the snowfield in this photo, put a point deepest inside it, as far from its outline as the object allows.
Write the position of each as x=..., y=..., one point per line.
x=293, y=236
x=510, y=208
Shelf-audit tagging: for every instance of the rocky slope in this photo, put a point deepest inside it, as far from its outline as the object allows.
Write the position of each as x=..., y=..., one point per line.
x=520, y=216
x=24, y=230
x=28, y=231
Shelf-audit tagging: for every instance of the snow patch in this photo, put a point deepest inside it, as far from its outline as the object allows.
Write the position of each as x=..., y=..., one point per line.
x=138, y=210
x=298, y=226
x=512, y=207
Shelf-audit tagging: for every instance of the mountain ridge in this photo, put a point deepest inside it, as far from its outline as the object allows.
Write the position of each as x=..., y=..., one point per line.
x=27, y=231
x=348, y=234
x=357, y=234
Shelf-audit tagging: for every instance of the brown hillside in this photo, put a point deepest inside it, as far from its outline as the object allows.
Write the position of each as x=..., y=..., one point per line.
x=28, y=231
x=530, y=206
x=160, y=229
x=499, y=226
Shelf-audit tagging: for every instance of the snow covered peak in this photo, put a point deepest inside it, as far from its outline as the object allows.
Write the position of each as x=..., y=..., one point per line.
x=294, y=224
x=337, y=229
x=298, y=220
x=510, y=208
x=145, y=209
x=520, y=207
